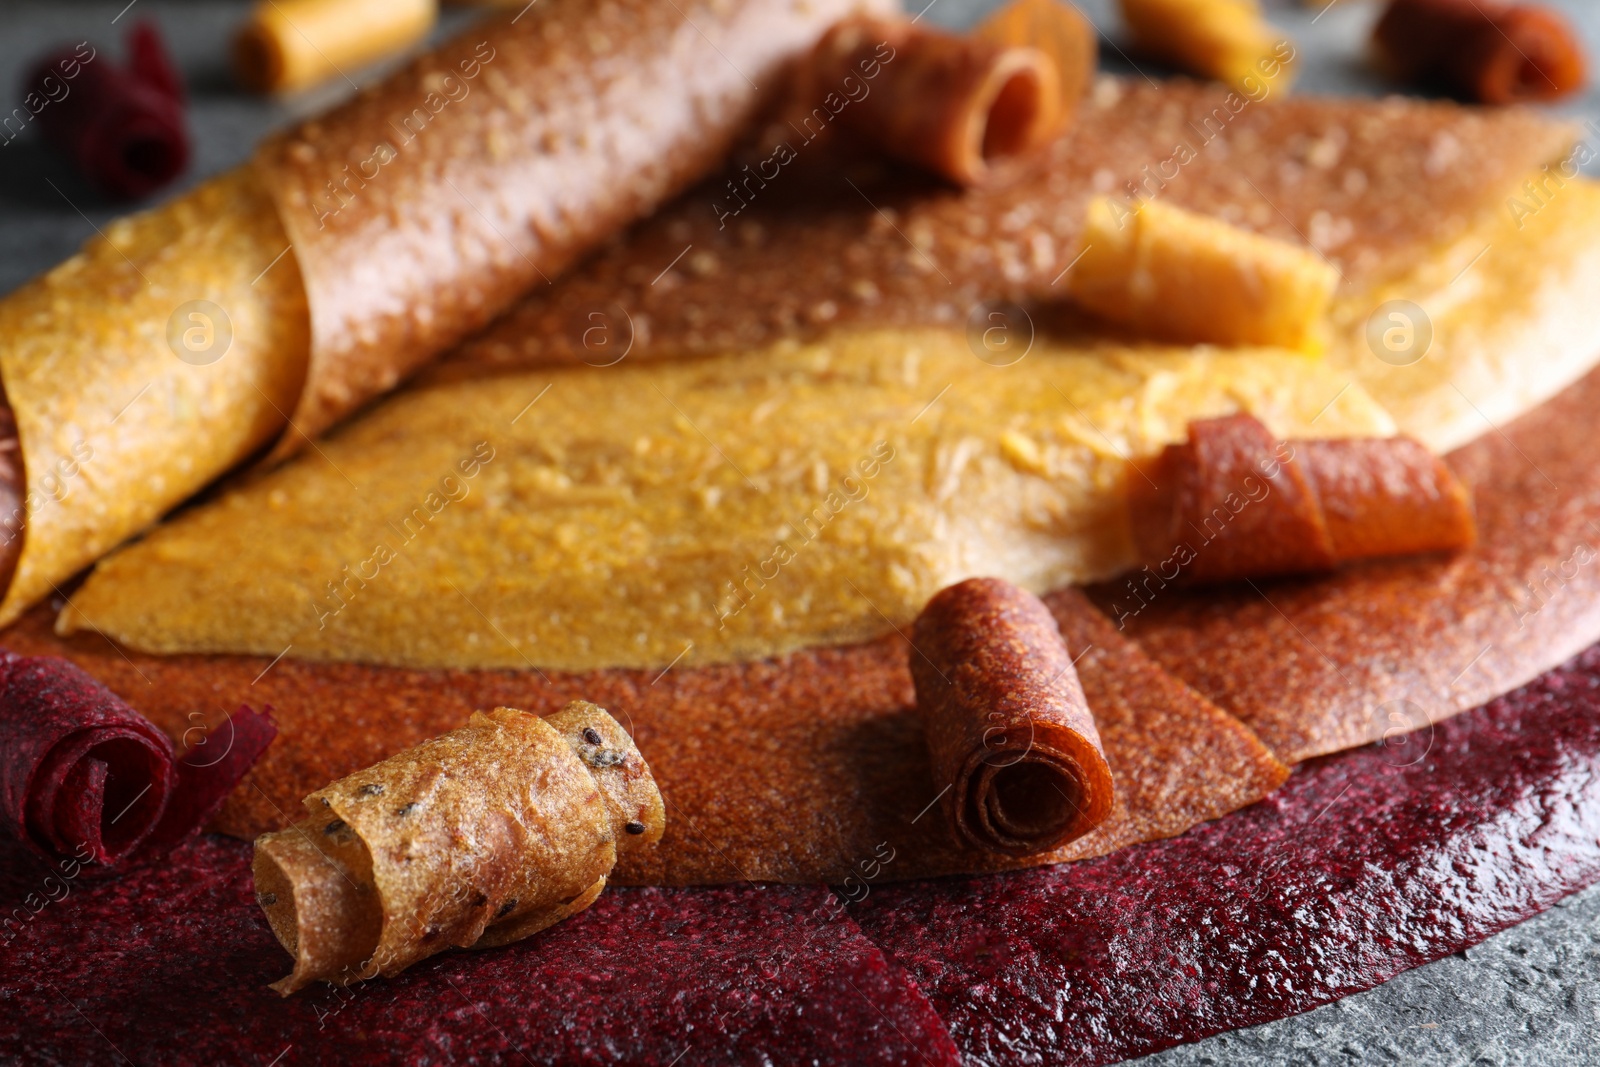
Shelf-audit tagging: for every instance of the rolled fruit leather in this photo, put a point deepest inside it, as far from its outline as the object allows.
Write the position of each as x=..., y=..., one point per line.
x=1235, y=502
x=1482, y=50
x=286, y=293
x=1009, y=731
x=475, y=839
x=961, y=106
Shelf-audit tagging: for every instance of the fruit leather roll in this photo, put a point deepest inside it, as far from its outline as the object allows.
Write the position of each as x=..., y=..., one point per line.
x=1482, y=50
x=1235, y=502
x=474, y=839
x=1010, y=735
x=283, y=295
x=961, y=107
x=84, y=774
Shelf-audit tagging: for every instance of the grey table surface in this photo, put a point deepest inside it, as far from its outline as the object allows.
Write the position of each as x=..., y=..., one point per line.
x=1530, y=995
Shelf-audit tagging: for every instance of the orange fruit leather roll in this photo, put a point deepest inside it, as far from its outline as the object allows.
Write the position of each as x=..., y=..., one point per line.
x=1482, y=50
x=1226, y=40
x=475, y=839
x=288, y=292
x=1183, y=276
x=961, y=107
x=1009, y=731
x=292, y=44
x=1234, y=502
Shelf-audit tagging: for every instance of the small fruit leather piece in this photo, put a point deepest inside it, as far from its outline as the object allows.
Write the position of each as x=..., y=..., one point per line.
x=961, y=107
x=1009, y=731
x=1481, y=50
x=1234, y=502
x=481, y=837
x=121, y=126
x=81, y=770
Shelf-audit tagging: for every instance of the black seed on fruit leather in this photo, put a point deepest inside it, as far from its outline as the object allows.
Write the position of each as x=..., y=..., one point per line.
x=334, y=827
x=591, y=735
x=634, y=828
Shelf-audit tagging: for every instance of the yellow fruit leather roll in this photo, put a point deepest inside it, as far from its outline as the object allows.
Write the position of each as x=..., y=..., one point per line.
x=272, y=301
x=471, y=840
x=162, y=354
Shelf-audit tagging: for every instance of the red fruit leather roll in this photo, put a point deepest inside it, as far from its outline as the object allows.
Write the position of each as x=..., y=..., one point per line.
x=962, y=107
x=82, y=772
x=1230, y=502
x=1481, y=50
x=122, y=126
x=1008, y=729
x=1234, y=502
x=1387, y=496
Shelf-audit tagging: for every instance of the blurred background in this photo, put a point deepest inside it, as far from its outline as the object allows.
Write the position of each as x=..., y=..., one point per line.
x=41, y=225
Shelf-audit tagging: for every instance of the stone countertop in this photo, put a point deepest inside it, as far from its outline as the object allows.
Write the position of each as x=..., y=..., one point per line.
x=1530, y=995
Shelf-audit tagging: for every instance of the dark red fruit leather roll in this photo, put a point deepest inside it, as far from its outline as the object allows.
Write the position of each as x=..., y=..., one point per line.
x=82, y=773
x=121, y=125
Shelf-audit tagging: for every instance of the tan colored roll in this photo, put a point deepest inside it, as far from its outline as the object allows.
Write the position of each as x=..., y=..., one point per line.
x=287, y=45
x=474, y=839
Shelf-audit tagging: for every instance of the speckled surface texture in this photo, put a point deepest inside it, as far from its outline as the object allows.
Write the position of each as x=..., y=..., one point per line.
x=1528, y=995
x=1364, y=864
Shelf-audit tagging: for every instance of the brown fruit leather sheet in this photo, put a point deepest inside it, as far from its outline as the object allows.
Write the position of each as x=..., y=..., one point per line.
x=1373, y=186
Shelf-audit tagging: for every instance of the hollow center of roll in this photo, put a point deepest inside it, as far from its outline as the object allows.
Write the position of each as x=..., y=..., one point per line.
x=150, y=157
x=275, y=892
x=1011, y=124
x=132, y=795
x=314, y=882
x=1031, y=799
